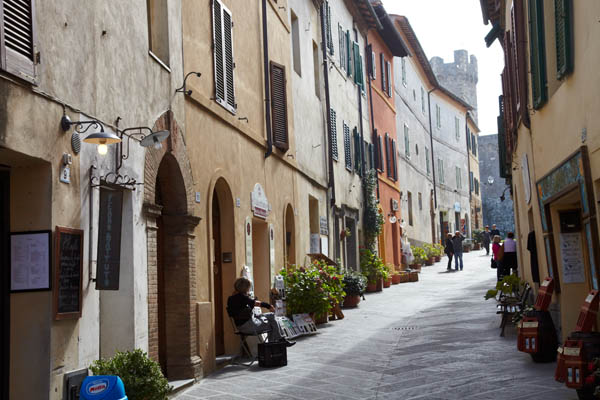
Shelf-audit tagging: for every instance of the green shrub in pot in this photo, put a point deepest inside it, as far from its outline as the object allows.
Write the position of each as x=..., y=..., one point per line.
x=354, y=284
x=419, y=255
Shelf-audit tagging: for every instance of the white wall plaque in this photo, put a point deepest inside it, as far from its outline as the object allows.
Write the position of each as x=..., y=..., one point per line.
x=572, y=259
x=259, y=202
x=30, y=261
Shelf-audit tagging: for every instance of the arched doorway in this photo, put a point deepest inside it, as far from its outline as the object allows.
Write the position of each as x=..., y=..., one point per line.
x=223, y=263
x=290, y=236
x=170, y=227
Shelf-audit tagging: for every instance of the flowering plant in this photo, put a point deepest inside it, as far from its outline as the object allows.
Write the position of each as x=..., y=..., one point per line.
x=354, y=284
x=419, y=254
x=371, y=266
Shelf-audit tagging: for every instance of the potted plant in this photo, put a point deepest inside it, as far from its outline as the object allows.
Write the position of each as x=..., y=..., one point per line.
x=419, y=257
x=141, y=376
x=395, y=275
x=430, y=254
x=439, y=251
x=372, y=268
x=354, y=286
x=387, y=275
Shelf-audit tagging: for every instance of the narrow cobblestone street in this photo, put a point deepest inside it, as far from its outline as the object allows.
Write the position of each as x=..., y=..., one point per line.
x=434, y=339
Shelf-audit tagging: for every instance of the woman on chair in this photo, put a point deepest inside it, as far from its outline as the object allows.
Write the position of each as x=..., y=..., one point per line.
x=240, y=306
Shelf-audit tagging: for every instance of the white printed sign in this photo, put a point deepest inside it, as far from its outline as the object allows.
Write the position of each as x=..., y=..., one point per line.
x=572, y=259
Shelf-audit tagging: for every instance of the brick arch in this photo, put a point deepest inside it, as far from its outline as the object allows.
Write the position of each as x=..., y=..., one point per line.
x=175, y=146
x=170, y=233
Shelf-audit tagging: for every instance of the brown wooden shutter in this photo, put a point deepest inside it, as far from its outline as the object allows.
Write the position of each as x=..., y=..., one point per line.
x=379, y=153
x=17, y=35
x=279, y=120
x=564, y=59
x=383, y=81
x=388, y=159
x=394, y=161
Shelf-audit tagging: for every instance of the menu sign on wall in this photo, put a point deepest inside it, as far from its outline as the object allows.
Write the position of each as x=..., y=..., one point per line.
x=572, y=258
x=68, y=276
x=30, y=261
x=109, y=239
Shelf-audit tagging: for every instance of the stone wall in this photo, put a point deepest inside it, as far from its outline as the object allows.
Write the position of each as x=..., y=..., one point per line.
x=495, y=211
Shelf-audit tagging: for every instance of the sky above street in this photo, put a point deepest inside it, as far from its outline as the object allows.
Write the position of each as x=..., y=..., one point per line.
x=443, y=26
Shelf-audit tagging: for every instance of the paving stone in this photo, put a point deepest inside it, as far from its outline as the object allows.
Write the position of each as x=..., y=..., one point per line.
x=436, y=339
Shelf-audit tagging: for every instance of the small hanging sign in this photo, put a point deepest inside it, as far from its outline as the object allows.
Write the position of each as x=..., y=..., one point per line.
x=109, y=239
x=259, y=202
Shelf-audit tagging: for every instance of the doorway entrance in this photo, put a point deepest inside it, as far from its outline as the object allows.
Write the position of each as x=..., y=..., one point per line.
x=261, y=259
x=217, y=277
x=290, y=239
x=5, y=283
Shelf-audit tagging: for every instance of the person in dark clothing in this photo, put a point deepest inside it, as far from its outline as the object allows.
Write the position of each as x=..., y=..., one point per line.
x=458, y=250
x=240, y=306
x=487, y=238
x=449, y=250
x=494, y=231
x=531, y=246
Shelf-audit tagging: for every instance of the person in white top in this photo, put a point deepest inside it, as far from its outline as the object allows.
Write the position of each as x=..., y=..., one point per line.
x=509, y=261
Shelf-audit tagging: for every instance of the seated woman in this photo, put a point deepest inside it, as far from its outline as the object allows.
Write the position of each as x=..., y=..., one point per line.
x=239, y=307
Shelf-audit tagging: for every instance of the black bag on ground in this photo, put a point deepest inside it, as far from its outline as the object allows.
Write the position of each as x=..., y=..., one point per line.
x=494, y=264
x=272, y=354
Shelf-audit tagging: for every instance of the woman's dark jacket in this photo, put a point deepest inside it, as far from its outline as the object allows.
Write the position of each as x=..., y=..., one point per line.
x=449, y=249
x=239, y=307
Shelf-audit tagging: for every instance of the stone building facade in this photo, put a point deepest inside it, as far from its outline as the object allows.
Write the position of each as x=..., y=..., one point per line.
x=495, y=210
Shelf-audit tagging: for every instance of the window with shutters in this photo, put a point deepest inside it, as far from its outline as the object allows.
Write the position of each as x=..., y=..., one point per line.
x=333, y=133
x=383, y=72
x=410, y=209
x=420, y=197
x=388, y=156
x=471, y=182
x=390, y=83
x=476, y=186
x=423, y=100
x=457, y=128
x=349, y=55
x=158, y=30
x=17, y=36
x=347, y=147
x=279, y=122
x=357, y=62
x=316, y=69
x=329, y=38
x=403, y=70
x=458, y=178
x=537, y=53
x=394, y=173
x=296, y=44
x=343, y=50
x=371, y=153
x=564, y=40
x=223, y=56
x=357, y=152
x=373, y=66
x=441, y=176
x=427, y=166
x=473, y=144
x=379, y=154
x=406, y=142
x=520, y=42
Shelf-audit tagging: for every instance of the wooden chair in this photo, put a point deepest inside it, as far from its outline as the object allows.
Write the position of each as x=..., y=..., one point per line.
x=508, y=306
x=244, y=347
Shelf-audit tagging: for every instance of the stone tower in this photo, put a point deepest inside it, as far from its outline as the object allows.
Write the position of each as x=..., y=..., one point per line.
x=460, y=76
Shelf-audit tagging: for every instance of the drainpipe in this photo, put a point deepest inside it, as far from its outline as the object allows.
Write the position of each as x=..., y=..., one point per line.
x=432, y=155
x=327, y=102
x=267, y=81
x=373, y=131
x=360, y=115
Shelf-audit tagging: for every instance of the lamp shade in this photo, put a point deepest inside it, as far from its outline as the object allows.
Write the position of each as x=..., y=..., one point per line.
x=154, y=138
x=102, y=138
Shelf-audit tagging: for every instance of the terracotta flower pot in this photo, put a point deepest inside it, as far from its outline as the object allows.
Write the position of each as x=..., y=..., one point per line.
x=322, y=319
x=351, y=301
x=413, y=276
x=415, y=266
x=404, y=277
x=429, y=262
x=387, y=283
x=476, y=246
x=438, y=258
x=371, y=287
x=379, y=285
x=396, y=279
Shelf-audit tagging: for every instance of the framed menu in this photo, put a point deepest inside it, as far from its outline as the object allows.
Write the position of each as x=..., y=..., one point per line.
x=30, y=264
x=68, y=276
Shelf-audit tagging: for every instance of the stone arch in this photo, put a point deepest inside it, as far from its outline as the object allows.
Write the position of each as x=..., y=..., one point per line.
x=170, y=231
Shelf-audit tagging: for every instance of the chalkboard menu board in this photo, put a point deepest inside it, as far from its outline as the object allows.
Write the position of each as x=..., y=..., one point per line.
x=68, y=276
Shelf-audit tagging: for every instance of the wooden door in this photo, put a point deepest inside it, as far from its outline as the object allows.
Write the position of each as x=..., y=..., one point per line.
x=162, y=316
x=218, y=278
x=4, y=285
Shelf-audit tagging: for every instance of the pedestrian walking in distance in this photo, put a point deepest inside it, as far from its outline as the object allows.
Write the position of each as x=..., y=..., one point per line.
x=449, y=250
x=498, y=252
x=487, y=238
x=458, y=250
x=494, y=231
x=510, y=254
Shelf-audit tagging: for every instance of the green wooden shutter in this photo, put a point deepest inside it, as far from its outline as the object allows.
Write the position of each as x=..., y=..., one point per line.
x=356, y=58
x=371, y=156
x=357, y=152
x=379, y=153
x=347, y=147
x=333, y=138
x=564, y=59
x=349, y=71
x=537, y=51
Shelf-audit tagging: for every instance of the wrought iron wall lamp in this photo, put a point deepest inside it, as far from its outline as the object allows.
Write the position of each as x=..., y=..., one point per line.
x=183, y=89
x=142, y=134
x=101, y=138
